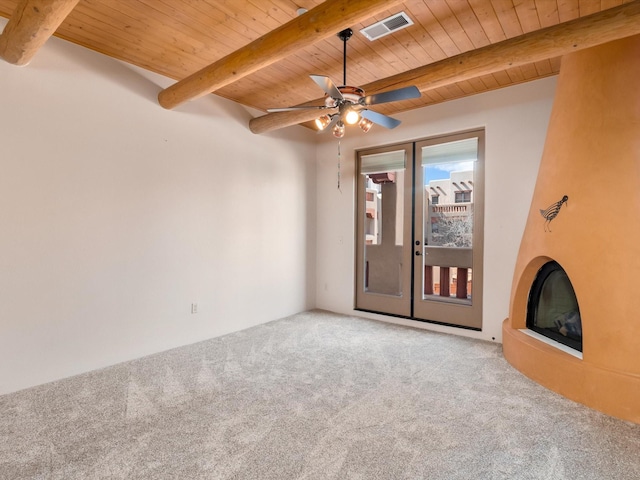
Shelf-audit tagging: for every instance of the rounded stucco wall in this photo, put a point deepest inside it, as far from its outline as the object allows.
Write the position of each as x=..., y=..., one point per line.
x=592, y=155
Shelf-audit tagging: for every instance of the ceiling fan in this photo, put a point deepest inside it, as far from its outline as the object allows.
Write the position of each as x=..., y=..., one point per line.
x=351, y=102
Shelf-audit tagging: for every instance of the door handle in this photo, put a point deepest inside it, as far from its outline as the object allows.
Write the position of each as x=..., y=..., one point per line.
x=418, y=253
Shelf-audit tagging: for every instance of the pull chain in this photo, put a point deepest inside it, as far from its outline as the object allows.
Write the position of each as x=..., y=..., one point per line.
x=339, y=155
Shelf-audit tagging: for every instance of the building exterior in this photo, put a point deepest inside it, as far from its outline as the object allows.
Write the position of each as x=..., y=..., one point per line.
x=449, y=215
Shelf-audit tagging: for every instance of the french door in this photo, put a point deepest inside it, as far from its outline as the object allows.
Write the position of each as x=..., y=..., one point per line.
x=419, y=217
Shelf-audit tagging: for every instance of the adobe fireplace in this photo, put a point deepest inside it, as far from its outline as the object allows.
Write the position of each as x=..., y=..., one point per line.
x=577, y=273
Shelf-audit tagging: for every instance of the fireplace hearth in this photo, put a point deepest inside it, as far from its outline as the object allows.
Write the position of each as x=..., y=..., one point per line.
x=578, y=268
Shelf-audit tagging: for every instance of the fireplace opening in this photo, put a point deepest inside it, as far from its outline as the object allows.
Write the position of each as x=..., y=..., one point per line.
x=552, y=309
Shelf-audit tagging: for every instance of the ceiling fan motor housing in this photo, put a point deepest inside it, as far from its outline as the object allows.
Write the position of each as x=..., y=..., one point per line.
x=349, y=93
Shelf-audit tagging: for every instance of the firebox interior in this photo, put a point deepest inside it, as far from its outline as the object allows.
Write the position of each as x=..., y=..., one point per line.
x=552, y=308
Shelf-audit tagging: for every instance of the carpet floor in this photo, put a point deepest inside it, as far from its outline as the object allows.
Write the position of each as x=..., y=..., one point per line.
x=312, y=396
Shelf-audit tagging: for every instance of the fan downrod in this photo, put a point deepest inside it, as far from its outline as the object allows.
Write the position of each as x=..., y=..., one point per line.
x=344, y=35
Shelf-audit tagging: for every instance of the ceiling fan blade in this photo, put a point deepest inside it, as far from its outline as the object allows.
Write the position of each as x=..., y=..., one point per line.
x=380, y=119
x=291, y=109
x=391, y=96
x=328, y=86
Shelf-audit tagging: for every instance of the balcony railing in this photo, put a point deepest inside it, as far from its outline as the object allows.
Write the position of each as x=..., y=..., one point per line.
x=457, y=208
x=441, y=261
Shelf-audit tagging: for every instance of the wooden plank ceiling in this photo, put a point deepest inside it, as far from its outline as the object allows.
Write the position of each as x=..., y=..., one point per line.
x=179, y=37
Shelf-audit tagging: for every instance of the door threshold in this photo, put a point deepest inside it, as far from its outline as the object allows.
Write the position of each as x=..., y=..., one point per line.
x=434, y=322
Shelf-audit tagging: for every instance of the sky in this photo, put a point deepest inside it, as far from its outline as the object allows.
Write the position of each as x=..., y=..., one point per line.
x=440, y=171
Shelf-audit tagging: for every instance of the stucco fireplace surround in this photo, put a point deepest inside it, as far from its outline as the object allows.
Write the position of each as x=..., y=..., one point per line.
x=591, y=156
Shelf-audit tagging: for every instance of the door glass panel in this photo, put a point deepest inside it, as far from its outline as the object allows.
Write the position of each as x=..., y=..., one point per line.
x=448, y=219
x=383, y=176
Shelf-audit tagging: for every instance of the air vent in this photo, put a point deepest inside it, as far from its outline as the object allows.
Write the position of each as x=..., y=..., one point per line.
x=387, y=26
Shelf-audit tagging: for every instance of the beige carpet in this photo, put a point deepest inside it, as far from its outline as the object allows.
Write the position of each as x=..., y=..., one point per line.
x=312, y=396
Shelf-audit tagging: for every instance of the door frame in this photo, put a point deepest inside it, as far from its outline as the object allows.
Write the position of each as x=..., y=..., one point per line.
x=444, y=313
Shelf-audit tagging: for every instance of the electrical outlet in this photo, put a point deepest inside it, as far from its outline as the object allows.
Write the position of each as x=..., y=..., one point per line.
x=194, y=308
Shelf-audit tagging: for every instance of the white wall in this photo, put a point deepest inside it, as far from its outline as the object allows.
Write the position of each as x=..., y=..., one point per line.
x=116, y=215
x=515, y=121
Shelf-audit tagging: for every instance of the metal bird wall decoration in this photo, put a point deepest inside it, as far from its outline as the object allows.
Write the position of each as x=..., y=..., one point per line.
x=552, y=211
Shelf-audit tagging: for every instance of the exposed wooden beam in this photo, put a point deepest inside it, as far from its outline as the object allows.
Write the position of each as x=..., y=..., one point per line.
x=30, y=26
x=319, y=23
x=605, y=26
x=275, y=121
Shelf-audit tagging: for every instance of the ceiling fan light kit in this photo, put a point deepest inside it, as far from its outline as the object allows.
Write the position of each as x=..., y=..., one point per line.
x=365, y=125
x=351, y=101
x=323, y=122
x=352, y=117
